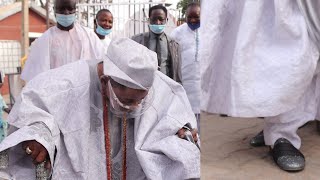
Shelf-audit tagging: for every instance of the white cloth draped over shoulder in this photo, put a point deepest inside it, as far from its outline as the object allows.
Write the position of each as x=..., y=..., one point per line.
x=56, y=48
x=257, y=58
x=190, y=65
x=60, y=116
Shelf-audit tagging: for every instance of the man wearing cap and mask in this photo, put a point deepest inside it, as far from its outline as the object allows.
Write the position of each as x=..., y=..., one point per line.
x=168, y=52
x=62, y=44
x=112, y=121
x=187, y=35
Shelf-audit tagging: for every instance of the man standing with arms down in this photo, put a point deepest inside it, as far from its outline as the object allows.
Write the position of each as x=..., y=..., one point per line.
x=104, y=121
x=62, y=44
x=168, y=52
x=187, y=35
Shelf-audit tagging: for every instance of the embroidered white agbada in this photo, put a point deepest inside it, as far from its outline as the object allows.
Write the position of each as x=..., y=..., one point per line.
x=190, y=65
x=57, y=47
x=66, y=115
x=257, y=58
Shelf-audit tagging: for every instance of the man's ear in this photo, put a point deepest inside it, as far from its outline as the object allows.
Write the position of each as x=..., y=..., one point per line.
x=95, y=23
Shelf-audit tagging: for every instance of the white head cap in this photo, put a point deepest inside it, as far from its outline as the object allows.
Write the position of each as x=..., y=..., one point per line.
x=130, y=64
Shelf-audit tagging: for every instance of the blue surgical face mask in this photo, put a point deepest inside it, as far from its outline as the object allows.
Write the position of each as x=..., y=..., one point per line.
x=65, y=20
x=101, y=31
x=157, y=29
x=194, y=26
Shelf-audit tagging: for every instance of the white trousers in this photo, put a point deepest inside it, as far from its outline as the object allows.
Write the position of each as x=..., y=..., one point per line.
x=286, y=124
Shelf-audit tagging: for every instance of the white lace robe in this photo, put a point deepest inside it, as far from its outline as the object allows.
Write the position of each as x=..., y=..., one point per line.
x=257, y=58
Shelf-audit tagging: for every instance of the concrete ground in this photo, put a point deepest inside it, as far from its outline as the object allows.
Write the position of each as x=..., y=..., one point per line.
x=226, y=153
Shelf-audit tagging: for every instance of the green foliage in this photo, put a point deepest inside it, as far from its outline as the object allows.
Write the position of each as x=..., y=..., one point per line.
x=183, y=5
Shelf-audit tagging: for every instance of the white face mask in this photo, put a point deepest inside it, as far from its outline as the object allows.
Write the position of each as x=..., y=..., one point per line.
x=116, y=103
x=130, y=111
x=100, y=30
x=65, y=20
x=157, y=29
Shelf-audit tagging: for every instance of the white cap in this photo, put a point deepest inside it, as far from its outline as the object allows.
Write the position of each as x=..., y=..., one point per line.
x=130, y=64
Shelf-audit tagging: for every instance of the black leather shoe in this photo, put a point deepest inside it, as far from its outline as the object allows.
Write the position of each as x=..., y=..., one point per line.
x=286, y=156
x=257, y=140
x=318, y=126
x=223, y=115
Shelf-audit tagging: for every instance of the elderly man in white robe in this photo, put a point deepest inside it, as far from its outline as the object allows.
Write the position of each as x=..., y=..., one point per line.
x=187, y=36
x=62, y=44
x=104, y=121
x=260, y=60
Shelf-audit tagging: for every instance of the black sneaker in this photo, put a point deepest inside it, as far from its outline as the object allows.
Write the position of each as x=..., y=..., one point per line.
x=223, y=115
x=286, y=156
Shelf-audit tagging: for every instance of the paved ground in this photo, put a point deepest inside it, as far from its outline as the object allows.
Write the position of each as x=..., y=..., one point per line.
x=226, y=153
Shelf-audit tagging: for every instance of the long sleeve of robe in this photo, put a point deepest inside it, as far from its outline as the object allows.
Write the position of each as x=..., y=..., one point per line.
x=58, y=108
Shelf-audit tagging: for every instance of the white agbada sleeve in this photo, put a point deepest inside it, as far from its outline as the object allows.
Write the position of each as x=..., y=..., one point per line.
x=39, y=58
x=162, y=154
x=95, y=45
x=44, y=112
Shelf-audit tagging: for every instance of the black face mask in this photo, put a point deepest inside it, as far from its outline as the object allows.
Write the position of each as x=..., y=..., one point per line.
x=194, y=26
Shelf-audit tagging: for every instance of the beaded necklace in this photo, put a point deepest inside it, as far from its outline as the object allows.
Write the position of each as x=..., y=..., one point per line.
x=108, y=144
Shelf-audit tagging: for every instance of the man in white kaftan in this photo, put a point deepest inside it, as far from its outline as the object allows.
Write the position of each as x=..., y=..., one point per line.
x=103, y=26
x=62, y=44
x=187, y=36
x=259, y=59
x=62, y=109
